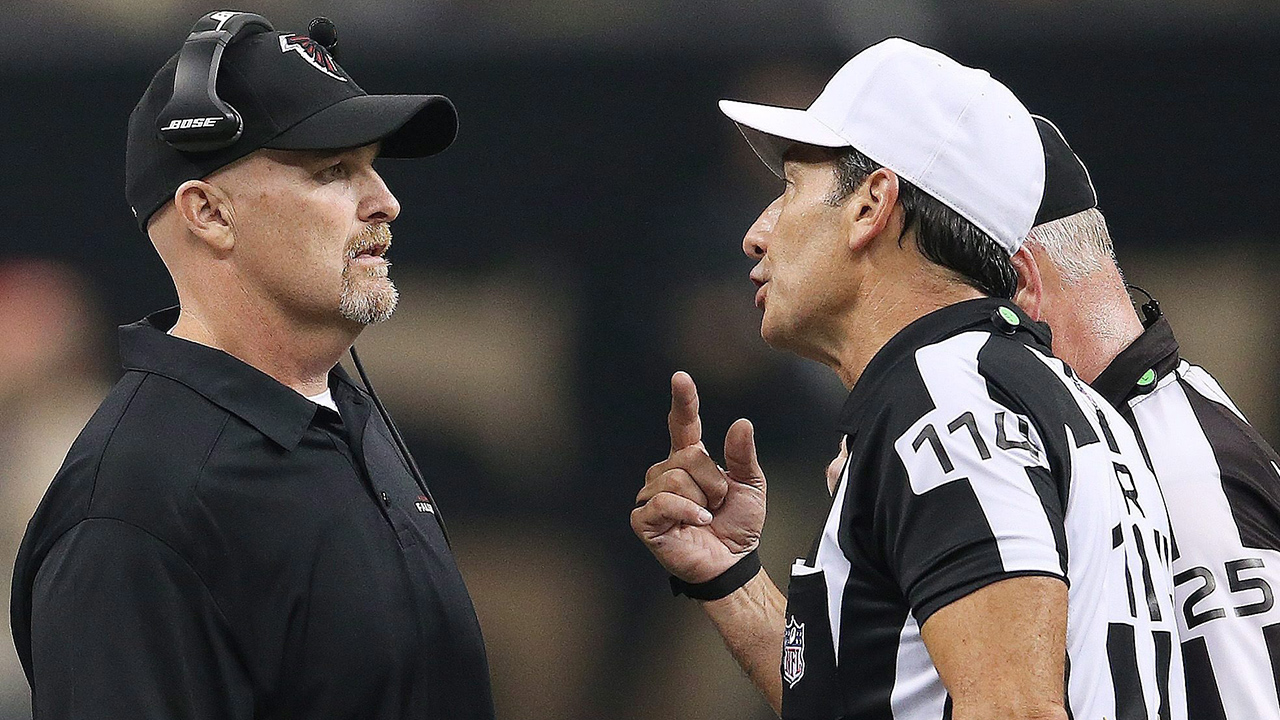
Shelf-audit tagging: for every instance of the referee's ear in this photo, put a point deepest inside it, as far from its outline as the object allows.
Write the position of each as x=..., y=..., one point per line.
x=1030, y=293
x=868, y=211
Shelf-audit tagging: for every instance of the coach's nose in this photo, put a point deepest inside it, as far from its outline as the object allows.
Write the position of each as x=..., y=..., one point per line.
x=756, y=242
x=378, y=204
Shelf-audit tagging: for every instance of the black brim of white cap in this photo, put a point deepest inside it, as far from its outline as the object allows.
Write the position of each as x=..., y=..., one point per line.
x=408, y=126
x=1068, y=189
x=776, y=128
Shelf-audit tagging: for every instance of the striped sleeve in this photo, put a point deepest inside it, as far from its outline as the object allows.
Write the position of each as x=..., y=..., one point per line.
x=974, y=501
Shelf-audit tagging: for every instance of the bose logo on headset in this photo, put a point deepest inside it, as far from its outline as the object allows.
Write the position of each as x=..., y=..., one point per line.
x=184, y=123
x=193, y=119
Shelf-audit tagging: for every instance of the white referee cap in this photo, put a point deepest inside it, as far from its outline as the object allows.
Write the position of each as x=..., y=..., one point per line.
x=952, y=131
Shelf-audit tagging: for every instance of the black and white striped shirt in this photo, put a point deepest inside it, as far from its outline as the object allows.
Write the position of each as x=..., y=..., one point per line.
x=1222, y=484
x=976, y=456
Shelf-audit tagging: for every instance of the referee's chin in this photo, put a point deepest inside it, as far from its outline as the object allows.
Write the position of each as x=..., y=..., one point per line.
x=800, y=339
x=782, y=336
x=773, y=335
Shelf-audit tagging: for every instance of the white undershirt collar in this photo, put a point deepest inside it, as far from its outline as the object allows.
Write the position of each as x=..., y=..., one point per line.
x=324, y=399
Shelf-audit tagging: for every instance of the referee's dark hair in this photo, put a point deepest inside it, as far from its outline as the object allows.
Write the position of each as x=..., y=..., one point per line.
x=943, y=235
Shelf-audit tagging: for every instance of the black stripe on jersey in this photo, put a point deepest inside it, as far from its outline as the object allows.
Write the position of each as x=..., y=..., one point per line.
x=1153, y=603
x=1117, y=540
x=867, y=668
x=1203, y=699
x=1052, y=407
x=1106, y=432
x=1047, y=490
x=942, y=546
x=868, y=648
x=1126, y=412
x=1245, y=460
x=1164, y=654
x=1128, y=585
x=1066, y=687
x=1271, y=634
x=1123, y=656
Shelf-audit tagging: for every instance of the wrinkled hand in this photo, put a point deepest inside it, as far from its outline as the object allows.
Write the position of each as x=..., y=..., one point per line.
x=697, y=518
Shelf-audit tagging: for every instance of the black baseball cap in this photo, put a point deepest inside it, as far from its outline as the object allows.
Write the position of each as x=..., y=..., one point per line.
x=291, y=95
x=1068, y=189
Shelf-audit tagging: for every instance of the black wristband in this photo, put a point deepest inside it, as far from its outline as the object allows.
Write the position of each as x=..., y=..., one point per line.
x=723, y=584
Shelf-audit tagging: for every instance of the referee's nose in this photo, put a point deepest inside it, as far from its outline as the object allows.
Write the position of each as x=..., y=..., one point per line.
x=756, y=242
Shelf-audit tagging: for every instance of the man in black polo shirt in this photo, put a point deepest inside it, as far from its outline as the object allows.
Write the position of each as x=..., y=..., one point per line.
x=236, y=534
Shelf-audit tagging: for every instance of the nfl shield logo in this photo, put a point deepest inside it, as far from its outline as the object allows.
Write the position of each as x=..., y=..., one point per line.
x=793, y=652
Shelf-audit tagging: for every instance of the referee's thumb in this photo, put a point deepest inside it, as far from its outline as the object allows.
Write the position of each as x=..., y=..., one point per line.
x=740, y=453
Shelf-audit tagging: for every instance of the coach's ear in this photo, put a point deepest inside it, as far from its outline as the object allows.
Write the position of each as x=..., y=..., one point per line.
x=206, y=213
x=1030, y=293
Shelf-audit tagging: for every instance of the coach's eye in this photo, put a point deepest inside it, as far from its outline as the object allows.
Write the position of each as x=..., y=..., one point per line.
x=336, y=171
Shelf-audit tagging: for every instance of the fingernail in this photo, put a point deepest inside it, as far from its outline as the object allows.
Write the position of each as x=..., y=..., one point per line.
x=704, y=517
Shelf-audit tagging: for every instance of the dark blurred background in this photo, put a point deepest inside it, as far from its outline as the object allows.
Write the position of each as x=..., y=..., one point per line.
x=581, y=241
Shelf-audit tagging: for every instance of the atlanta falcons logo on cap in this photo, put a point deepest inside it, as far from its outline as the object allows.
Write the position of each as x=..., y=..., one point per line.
x=313, y=52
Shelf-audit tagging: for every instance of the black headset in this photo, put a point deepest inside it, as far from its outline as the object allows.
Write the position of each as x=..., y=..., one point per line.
x=196, y=119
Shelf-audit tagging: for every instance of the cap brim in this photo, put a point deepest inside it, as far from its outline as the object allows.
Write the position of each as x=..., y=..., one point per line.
x=776, y=128
x=1068, y=188
x=408, y=125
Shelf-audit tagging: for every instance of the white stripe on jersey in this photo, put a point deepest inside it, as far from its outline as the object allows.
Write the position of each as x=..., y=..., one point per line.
x=833, y=562
x=918, y=693
x=1016, y=515
x=1152, y=518
x=1203, y=382
x=1209, y=544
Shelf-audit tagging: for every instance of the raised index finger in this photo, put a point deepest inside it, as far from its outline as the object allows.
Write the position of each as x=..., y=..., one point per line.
x=683, y=422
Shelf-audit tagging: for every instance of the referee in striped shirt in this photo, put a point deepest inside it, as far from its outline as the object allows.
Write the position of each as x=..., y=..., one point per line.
x=995, y=520
x=1221, y=480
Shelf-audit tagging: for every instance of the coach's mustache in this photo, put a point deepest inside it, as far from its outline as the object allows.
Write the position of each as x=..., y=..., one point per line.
x=374, y=240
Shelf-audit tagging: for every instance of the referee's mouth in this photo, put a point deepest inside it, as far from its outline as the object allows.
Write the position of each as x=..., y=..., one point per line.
x=762, y=291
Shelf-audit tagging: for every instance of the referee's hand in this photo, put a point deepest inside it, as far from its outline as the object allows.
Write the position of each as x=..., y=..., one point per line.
x=697, y=518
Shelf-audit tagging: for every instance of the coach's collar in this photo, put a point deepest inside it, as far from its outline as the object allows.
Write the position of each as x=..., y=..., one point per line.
x=275, y=410
x=1138, y=369
x=1000, y=317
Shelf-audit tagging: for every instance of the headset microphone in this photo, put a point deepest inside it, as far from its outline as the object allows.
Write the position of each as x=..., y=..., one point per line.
x=196, y=119
x=1151, y=311
x=323, y=31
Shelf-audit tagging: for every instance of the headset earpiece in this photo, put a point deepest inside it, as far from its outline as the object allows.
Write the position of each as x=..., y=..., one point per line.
x=1150, y=310
x=196, y=119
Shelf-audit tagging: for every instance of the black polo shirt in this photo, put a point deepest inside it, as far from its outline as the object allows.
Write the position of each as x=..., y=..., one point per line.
x=218, y=546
